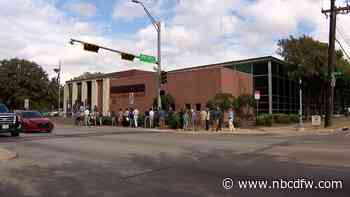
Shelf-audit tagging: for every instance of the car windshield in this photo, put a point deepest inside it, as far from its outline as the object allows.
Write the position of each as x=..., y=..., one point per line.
x=3, y=109
x=31, y=114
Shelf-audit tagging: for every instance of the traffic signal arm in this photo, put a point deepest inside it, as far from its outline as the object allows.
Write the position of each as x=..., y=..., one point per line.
x=94, y=48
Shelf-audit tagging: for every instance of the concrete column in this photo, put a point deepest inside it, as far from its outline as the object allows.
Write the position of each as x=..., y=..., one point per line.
x=84, y=92
x=94, y=93
x=106, y=96
x=269, y=67
x=65, y=97
x=74, y=92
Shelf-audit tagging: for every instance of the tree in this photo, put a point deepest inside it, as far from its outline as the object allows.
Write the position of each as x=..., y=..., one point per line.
x=308, y=60
x=22, y=79
x=222, y=100
x=243, y=105
x=166, y=100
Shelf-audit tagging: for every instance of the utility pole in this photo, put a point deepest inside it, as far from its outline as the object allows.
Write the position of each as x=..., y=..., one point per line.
x=332, y=58
x=59, y=87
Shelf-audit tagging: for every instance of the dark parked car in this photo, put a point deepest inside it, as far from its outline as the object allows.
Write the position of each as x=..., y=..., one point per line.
x=34, y=121
x=9, y=123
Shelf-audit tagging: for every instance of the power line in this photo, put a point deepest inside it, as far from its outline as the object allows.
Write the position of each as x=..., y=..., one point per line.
x=345, y=41
x=341, y=46
x=341, y=32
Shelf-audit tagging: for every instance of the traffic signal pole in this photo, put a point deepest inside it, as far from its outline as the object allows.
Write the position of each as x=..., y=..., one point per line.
x=159, y=63
x=157, y=26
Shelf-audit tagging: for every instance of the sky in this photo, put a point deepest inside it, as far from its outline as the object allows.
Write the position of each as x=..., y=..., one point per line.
x=194, y=32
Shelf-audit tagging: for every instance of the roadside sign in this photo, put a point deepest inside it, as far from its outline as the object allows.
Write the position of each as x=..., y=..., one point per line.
x=316, y=120
x=333, y=81
x=26, y=103
x=337, y=73
x=257, y=95
x=148, y=58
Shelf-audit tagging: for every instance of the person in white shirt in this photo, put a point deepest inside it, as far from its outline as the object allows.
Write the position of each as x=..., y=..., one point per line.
x=126, y=117
x=151, y=118
x=136, y=113
x=87, y=117
x=203, y=116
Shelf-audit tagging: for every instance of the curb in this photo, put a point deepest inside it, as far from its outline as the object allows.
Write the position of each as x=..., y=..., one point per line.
x=6, y=155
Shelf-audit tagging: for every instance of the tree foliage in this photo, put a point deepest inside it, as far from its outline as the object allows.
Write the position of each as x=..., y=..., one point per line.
x=166, y=101
x=22, y=79
x=240, y=104
x=308, y=60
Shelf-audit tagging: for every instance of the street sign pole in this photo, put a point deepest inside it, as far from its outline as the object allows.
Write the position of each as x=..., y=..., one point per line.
x=301, y=126
x=257, y=111
x=257, y=98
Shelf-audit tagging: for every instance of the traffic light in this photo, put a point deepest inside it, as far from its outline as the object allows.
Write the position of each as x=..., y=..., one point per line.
x=127, y=56
x=91, y=47
x=163, y=77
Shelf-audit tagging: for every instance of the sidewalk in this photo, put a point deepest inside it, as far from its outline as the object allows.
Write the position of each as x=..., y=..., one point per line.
x=7, y=155
x=339, y=124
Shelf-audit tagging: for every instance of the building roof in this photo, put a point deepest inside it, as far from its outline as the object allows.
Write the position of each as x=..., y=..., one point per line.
x=119, y=74
x=223, y=64
x=230, y=63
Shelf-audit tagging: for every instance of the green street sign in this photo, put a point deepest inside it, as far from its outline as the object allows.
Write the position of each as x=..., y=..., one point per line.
x=148, y=58
x=337, y=73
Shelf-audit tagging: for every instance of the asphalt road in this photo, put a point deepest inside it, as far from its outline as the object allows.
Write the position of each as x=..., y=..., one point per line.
x=100, y=162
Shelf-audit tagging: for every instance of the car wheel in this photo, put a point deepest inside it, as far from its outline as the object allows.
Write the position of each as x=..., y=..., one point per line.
x=15, y=134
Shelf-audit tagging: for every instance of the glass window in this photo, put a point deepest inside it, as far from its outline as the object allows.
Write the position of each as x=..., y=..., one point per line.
x=247, y=68
x=274, y=85
x=31, y=114
x=261, y=81
x=260, y=69
x=275, y=67
x=3, y=109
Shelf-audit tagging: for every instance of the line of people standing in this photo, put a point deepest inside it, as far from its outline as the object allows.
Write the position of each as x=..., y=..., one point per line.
x=190, y=119
x=206, y=119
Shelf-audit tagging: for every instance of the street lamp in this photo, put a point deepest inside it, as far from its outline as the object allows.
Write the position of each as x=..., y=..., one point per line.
x=157, y=26
x=58, y=71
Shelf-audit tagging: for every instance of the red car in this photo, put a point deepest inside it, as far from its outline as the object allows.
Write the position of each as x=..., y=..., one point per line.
x=33, y=121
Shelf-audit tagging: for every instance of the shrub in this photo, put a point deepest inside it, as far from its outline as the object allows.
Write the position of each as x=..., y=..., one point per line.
x=141, y=120
x=106, y=120
x=294, y=118
x=264, y=120
x=281, y=118
x=174, y=121
x=237, y=123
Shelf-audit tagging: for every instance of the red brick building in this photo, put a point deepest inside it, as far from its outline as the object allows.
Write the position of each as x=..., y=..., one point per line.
x=191, y=87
